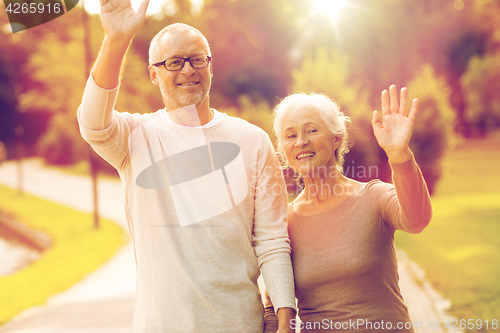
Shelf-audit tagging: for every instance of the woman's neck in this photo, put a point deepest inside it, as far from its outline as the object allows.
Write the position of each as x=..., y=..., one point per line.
x=323, y=188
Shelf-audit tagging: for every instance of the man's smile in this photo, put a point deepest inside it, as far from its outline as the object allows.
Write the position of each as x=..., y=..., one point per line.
x=187, y=84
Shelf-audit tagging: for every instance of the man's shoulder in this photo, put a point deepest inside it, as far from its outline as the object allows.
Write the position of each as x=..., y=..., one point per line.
x=139, y=118
x=244, y=127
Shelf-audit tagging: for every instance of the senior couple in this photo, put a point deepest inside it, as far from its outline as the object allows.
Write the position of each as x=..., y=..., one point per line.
x=204, y=214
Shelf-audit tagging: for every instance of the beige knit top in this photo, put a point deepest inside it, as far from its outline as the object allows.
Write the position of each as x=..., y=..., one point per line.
x=344, y=258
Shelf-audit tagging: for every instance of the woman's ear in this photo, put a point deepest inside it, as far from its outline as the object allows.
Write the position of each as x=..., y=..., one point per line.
x=336, y=142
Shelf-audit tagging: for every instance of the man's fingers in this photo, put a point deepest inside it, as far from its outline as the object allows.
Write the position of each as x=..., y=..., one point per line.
x=393, y=95
x=143, y=8
x=404, y=98
x=102, y=2
x=414, y=109
x=385, y=103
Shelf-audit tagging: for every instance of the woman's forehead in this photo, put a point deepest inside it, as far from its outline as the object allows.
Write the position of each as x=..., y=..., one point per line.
x=301, y=116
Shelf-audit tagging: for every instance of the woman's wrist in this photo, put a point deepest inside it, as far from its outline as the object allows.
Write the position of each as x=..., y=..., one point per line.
x=397, y=157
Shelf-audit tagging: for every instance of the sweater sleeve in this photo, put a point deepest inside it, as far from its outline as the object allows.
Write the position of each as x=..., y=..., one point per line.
x=270, y=319
x=105, y=129
x=270, y=235
x=408, y=206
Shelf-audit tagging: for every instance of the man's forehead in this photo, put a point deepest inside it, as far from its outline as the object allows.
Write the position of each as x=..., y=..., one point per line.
x=182, y=43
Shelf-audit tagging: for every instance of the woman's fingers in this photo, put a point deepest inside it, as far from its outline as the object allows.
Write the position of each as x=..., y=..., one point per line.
x=390, y=102
x=385, y=103
x=414, y=109
x=404, y=98
x=376, y=124
x=393, y=94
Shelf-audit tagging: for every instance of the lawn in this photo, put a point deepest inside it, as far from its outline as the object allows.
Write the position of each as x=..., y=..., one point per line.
x=77, y=249
x=460, y=250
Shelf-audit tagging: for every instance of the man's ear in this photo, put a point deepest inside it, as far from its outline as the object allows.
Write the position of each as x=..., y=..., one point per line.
x=153, y=75
x=211, y=70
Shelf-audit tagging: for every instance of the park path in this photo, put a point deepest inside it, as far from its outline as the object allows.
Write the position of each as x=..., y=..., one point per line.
x=103, y=302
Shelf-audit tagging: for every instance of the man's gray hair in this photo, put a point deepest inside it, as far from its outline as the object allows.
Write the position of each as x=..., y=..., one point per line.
x=172, y=28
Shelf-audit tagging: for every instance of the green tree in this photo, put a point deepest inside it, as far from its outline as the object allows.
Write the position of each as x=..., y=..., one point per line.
x=327, y=72
x=7, y=102
x=257, y=113
x=434, y=132
x=481, y=84
x=58, y=67
x=250, y=48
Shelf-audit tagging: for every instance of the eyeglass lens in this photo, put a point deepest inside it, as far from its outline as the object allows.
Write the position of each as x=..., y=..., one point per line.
x=178, y=63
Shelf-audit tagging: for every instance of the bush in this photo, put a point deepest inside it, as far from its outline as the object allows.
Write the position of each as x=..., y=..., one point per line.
x=62, y=144
x=481, y=86
x=328, y=72
x=433, y=133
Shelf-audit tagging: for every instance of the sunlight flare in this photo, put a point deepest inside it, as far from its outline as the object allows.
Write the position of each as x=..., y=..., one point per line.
x=333, y=8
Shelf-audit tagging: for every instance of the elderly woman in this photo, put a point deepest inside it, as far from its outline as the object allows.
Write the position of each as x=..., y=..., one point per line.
x=341, y=230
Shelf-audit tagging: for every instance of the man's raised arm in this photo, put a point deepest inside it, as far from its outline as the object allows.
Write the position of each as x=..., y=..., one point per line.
x=107, y=134
x=120, y=23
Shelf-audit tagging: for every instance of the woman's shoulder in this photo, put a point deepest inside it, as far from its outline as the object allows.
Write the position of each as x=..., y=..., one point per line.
x=377, y=191
x=376, y=185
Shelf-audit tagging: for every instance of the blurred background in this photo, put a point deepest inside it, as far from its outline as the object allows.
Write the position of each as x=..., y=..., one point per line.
x=447, y=52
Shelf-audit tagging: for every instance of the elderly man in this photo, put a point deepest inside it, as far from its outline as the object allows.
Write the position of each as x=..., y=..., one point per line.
x=205, y=198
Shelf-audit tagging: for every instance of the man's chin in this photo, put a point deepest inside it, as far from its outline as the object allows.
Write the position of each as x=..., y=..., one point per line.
x=190, y=99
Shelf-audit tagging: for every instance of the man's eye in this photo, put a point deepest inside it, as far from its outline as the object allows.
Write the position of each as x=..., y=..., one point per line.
x=175, y=62
x=199, y=59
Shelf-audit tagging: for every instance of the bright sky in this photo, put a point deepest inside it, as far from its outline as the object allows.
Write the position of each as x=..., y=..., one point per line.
x=93, y=7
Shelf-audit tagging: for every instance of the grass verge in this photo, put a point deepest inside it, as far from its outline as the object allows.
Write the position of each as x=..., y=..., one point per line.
x=77, y=249
x=460, y=250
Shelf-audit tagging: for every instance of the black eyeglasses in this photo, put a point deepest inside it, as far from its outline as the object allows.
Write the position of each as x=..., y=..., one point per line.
x=176, y=64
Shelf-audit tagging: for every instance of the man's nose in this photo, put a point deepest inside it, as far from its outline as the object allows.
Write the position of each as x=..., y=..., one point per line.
x=187, y=69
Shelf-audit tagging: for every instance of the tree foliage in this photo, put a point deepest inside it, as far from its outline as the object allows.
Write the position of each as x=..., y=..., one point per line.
x=262, y=50
x=481, y=84
x=249, y=48
x=434, y=132
x=327, y=72
x=58, y=67
x=7, y=102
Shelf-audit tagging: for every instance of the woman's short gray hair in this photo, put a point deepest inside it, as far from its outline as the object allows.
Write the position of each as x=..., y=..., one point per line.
x=175, y=27
x=335, y=120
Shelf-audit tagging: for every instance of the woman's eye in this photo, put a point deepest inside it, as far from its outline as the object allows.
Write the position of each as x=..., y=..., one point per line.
x=290, y=136
x=313, y=130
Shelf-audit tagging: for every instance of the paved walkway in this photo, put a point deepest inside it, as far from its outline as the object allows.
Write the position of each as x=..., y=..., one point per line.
x=103, y=302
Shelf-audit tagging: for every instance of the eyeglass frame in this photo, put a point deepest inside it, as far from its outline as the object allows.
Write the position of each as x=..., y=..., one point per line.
x=158, y=64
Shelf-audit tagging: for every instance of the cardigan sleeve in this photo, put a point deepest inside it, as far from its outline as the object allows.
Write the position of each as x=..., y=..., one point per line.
x=407, y=206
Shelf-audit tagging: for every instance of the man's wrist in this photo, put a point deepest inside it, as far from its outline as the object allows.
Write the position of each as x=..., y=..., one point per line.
x=120, y=42
x=285, y=315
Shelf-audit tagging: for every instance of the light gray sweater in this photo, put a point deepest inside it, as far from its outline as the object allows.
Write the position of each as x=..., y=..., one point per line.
x=206, y=208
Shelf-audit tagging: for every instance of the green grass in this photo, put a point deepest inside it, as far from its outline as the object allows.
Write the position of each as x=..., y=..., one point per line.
x=460, y=250
x=77, y=249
